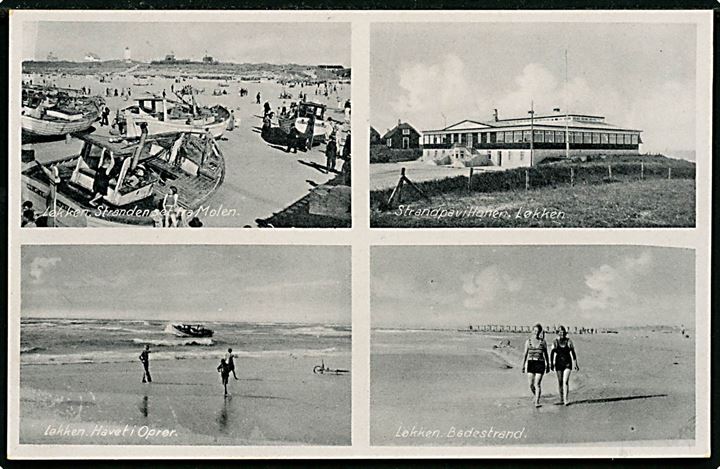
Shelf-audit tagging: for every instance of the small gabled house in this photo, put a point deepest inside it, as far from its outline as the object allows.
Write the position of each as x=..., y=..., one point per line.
x=402, y=137
x=375, y=138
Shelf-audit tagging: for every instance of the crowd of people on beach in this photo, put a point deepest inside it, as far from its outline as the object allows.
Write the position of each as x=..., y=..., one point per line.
x=561, y=359
x=225, y=368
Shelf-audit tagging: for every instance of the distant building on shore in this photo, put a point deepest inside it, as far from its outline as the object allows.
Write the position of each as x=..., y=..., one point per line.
x=51, y=57
x=507, y=142
x=402, y=137
x=90, y=57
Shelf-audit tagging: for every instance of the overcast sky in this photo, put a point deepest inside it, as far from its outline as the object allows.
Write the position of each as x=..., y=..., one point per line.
x=276, y=43
x=306, y=284
x=603, y=286
x=637, y=75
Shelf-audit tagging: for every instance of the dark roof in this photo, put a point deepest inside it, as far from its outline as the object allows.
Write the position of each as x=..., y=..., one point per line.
x=401, y=126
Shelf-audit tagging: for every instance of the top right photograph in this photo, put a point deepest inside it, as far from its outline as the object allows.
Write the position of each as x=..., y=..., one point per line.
x=527, y=124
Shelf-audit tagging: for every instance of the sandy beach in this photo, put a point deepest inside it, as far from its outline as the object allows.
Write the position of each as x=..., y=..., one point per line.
x=452, y=388
x=91, y=391
x=261, y=178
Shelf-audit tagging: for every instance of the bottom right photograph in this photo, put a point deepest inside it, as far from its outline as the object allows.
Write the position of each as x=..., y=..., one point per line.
x=532, y=345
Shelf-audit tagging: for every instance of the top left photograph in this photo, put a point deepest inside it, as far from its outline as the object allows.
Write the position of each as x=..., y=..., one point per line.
x=184, y=124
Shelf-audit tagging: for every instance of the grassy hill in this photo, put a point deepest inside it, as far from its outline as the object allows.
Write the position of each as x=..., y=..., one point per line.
x=594, y=199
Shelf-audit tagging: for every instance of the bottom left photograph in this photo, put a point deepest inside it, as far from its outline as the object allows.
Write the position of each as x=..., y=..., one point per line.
x=185, y=345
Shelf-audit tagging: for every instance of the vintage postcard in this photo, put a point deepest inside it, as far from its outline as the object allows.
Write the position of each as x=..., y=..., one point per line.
x=534, y=124
x=368, y=333
x=184, y=124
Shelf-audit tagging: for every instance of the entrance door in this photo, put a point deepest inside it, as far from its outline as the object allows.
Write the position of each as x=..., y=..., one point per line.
x=406, y=143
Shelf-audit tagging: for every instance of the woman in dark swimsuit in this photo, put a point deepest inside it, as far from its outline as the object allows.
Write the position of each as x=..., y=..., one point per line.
x=562, y=358
x=535, y=361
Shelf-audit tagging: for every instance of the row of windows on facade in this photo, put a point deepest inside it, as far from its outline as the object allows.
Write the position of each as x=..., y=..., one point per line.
x=499, y=155
x=541, y=136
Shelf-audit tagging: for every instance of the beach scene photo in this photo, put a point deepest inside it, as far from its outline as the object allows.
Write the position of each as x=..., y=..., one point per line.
x=226, y=345
x=533, y=124
x=185, y=124
x=532, y=345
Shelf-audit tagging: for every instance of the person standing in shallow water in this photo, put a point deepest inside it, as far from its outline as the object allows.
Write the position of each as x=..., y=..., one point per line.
x=536, y=362
x=562, y=358
x=145, y=360
x=230, y=360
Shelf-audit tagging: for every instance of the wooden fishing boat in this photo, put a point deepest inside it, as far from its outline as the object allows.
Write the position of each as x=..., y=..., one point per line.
x=54, y=112
x=307, y=112
x=162, y=115
x=143, y=173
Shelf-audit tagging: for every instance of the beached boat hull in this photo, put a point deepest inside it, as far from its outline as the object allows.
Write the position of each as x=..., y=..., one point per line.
x=46, y=128
x=301, y=125
x=156, y=126
x=64, y=211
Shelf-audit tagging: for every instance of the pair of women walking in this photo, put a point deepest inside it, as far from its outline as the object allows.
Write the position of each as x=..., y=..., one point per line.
x=536, y=362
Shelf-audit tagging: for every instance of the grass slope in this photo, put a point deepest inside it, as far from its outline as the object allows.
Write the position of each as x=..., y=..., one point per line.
x=639, y=203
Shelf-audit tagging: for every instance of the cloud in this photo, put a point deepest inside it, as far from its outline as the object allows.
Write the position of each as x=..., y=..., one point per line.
x=612, y=285
x=428, y=90
x=484, y=287
x=40, y=265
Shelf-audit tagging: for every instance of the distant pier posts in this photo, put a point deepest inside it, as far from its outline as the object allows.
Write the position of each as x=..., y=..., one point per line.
x=519, y=329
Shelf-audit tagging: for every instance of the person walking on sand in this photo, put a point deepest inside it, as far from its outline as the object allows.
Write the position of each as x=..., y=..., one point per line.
x=145, y=360
x=266, y=108
x=257, y=98
x=330, y=153
x=230, y=360
x=535, y=361
x=224, y=371
x=562, y=359
x=101, y=183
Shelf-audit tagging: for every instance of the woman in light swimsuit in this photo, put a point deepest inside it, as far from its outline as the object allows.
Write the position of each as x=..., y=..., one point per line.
x=535, y=361
x=562, y=358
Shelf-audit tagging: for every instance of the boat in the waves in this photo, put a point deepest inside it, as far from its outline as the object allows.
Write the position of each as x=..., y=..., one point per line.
x=191, y=330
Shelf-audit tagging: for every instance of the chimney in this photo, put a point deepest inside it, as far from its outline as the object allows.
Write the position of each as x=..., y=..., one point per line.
x=495, y=114
x=557, y=109
x=399, y=122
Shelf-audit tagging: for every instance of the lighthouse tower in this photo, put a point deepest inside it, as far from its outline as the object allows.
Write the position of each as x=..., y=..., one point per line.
x=127, y=54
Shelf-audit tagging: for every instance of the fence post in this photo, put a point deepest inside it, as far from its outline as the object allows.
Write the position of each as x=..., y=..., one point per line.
x=642, y=170
x=572, y=176
x=609, y=171
x=470, y=179
x=527, y=180
x=669, y=172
